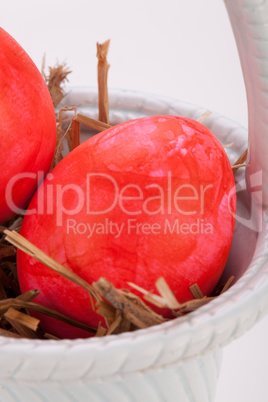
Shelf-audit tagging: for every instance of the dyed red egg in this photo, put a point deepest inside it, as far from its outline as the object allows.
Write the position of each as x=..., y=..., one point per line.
x=27, y=127
x=144, y=199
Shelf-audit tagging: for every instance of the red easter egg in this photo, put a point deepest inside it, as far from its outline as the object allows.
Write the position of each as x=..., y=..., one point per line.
x=144, y=199
x=27, y=127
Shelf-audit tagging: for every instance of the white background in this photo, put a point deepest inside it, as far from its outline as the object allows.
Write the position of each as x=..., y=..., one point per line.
x=182, y=49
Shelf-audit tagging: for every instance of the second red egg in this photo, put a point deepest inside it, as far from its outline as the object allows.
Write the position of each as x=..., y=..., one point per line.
x=148, y=198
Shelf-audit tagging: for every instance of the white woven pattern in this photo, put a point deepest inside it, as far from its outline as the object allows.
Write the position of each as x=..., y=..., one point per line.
x=170, y=383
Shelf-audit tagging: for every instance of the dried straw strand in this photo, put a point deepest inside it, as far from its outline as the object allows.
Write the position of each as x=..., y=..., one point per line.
x=21, y=318
x=21, y=304
x=196, y=291
x=75, y=133
x=229, y=145
x=28, y=296
x=101, y=331
x=92, y=123
x=53, y=337
x=227, y=284
x=62, y=134
x=19, y=241
x=136, y=314
x=204, y=117
x=7, y=251
x=107, y=311
x=55, y=80
x=9, y=334
x=22, y=324
x=193, y=305
x=240, y=161
x=149, y=296
x=103, y=67
x=167, y=294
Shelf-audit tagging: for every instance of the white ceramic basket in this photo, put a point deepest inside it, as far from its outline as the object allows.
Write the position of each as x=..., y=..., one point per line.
x=178, y=360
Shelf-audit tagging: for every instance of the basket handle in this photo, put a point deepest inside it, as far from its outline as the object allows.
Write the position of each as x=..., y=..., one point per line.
x=249, y=20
